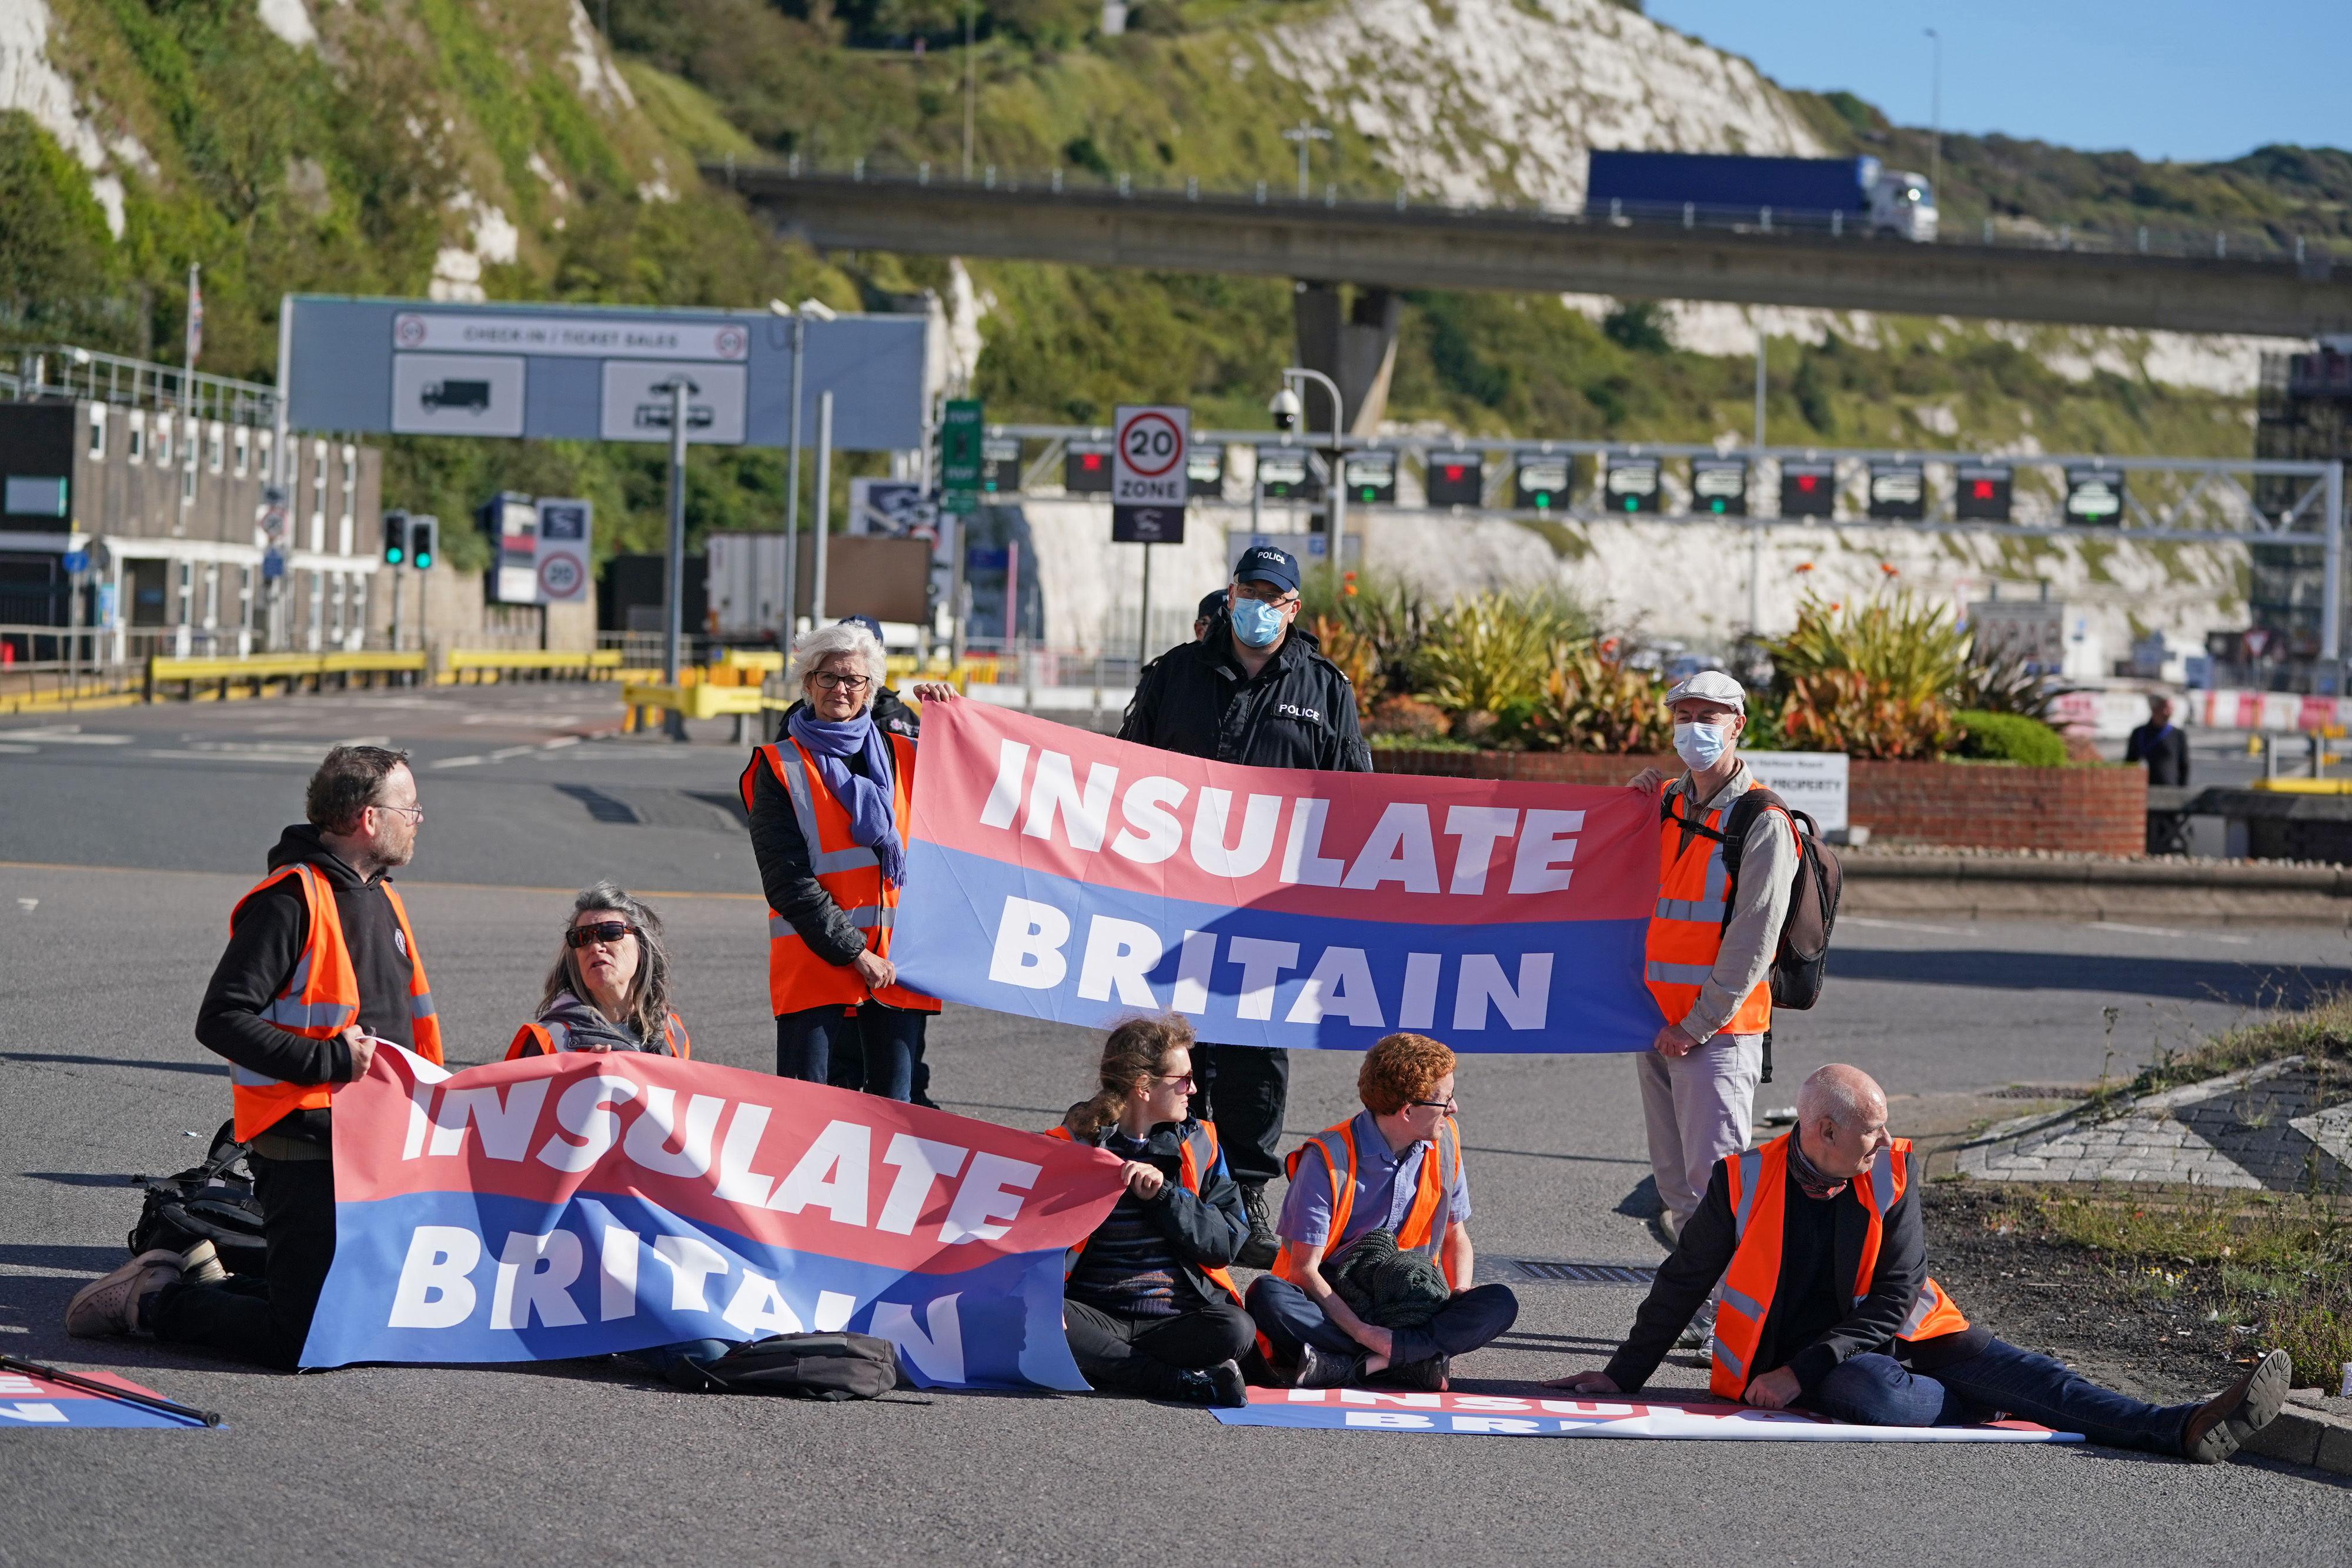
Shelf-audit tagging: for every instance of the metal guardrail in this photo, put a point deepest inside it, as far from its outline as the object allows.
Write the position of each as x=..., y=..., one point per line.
x=599, y=665
x=2189, y=239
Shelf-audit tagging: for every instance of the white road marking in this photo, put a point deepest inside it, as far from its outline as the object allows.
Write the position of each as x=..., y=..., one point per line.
x=28, y=905
x=508, y=754
x=1902, y=926
x=45, y=1271
x=2168, y=930
x=19, y=751
x=64, y=735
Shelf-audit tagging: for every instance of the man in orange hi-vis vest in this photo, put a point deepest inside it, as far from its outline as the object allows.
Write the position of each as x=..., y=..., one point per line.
x=1709, y=949
x=1814, y=1249
x=322, y=967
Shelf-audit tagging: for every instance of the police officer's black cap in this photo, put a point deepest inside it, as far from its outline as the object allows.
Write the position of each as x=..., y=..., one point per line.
x=1265, y=563
x=1211, y=605
x=873, y=627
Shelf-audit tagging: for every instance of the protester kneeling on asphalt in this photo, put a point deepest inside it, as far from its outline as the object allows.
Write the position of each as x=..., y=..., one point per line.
x=1396, y=1170
x=610, y=987
x=1825, y=1304
x=1146, y=1301
x=322, y=968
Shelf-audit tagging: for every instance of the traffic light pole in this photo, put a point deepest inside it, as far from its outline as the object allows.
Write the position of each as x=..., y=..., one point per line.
x=399, y=574
x=674, y=612
x=823, y=522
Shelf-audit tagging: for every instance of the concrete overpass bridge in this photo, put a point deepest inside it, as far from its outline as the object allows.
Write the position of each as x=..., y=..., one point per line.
x=1393, y=246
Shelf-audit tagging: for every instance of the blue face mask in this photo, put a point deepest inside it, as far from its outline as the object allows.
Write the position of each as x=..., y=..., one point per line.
x=1254, y=624
x=1701, y=745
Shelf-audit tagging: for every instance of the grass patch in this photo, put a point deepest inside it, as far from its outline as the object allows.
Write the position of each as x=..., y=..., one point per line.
x=2321, y=1032
x=2275, y=1267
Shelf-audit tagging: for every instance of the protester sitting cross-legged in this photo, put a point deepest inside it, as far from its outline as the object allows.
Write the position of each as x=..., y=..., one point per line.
x=1826, y=1304
x=610, y=987
x=1392, y=1178
x=828, y=807
x=1148, y=1305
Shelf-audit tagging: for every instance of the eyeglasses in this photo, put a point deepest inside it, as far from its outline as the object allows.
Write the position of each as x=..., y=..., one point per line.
x=413, y=813
x=609, y=932
x=1264, y=593
x=1179, y=1078
x=833, y=683
x=1446, y=1104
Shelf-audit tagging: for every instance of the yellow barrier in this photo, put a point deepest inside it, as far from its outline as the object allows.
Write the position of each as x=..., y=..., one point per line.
x=2303, y=786
x=695, y=701
x=260, y=669
x=494, y=664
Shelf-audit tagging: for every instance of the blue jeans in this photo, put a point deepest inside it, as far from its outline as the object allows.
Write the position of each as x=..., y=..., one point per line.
x=1875, y=1391
x=890, y=1039
x=1288, y=1315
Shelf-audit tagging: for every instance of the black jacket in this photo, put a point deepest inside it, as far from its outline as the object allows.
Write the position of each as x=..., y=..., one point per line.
x=1708, y=1243
x=786, y=874
x=1205, y=1231
x=266, y=940
x=1298, y=711
x=2165, y=751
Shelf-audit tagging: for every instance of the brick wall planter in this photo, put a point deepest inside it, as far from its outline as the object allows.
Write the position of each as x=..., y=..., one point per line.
x=2093, y=810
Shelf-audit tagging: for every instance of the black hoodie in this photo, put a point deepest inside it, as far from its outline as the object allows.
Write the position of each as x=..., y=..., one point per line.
x=266, y=940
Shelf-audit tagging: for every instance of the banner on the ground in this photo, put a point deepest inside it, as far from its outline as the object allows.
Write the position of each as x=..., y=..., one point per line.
x=26, y=1400
x=1063, y=875
x=577, y=1205
x=1494, y=1415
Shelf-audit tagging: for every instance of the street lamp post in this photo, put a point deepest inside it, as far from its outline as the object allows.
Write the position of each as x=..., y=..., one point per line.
x=1305, y=133
x=1338, y=470
x=1935, y=122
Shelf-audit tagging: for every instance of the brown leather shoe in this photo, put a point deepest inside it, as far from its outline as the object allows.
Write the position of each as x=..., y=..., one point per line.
x=2217, y=1426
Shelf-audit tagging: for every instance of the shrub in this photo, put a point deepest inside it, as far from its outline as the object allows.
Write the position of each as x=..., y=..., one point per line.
x=1357, y=658
x=2002, y=682
x=1490, y=654
x=1862, y=715
x=1406, y=719
x=2009, y=738
x=1591, y=701
x=1910, y=649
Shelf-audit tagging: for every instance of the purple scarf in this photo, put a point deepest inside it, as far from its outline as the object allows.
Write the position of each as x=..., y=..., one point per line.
x=867, y=798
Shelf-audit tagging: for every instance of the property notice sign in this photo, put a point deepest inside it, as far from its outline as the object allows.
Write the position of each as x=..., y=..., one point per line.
x=1814, y=782
x=1063, y=876
x=577, y=1205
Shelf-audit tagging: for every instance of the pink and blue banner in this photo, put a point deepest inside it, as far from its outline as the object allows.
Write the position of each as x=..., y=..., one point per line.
x=582, y=1204
x=1512, y=1415
x=1060, y=875
x=28, y=1400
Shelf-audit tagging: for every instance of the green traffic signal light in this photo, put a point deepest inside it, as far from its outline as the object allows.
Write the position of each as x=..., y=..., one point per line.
x=1633, y=502
x=392, y=554
x=424, y=560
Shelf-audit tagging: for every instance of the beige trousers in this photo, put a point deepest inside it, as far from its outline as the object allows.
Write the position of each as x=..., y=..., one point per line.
x=1698, y=1108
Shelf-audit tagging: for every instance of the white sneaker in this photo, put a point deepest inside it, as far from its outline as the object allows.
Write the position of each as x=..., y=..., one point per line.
x=115, y=1304
x=201, y=1265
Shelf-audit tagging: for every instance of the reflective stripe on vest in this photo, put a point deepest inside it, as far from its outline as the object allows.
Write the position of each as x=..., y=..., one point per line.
x=1758, y=1180
x=850, y=875
x=320, y=999
x=1433, y=1186
x=1685, y=934
x=1196, y=1153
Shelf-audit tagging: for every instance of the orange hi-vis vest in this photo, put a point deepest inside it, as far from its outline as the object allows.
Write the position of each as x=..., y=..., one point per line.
x=1197, y=1152
x=849, y=872
x=321, y=999
x=551, y=1038
x=1759, y=1181
x=1420, y=1231
x=1686, y=929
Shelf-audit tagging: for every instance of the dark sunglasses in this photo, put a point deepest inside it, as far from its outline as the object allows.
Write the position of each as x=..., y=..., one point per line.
x=605, y=931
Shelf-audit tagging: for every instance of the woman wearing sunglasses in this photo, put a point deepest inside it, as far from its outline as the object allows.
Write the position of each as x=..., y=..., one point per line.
x=610, y=987
x=828, y=804
x=1146, y=1301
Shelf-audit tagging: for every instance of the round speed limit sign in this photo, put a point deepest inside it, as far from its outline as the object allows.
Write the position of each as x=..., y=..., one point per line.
x=1148, y=458
x=559, y=576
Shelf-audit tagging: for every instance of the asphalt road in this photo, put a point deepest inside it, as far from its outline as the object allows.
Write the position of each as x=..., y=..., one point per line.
x=121, y=857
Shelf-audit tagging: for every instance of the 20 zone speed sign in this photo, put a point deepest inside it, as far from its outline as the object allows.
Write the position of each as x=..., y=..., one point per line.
x=1148, y=483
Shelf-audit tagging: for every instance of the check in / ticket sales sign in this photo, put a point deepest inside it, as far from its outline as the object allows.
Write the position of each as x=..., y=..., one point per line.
x=1148, y=486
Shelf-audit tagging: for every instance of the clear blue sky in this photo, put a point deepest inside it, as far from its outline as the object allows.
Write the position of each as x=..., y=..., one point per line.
x=2192, y=80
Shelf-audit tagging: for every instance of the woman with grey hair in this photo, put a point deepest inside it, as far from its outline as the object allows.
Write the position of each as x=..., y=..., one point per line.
x=610, y=987
x=828, y=803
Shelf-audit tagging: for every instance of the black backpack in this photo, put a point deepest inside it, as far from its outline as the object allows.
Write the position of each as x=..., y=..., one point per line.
x=211, y=1202
x=797, y=1365
x=1800, y=955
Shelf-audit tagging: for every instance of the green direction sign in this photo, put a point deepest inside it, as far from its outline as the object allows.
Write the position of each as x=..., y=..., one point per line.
x=960, y=456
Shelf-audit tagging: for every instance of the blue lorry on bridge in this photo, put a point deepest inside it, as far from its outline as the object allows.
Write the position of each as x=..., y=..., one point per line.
x=1715, y=190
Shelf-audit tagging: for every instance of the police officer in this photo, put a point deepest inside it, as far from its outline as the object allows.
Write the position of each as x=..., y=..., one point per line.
x=1256, y=690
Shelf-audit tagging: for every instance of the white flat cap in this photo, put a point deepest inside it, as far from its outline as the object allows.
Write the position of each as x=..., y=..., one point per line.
x=1712, y=686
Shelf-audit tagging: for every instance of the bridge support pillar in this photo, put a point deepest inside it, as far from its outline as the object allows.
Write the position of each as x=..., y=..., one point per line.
x=1355, y=346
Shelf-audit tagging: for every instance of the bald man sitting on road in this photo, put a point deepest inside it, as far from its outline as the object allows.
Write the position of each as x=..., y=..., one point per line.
x=1826, y=1303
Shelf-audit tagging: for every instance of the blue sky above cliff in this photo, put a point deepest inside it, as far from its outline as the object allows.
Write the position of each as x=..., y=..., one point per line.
x=2193, y=79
